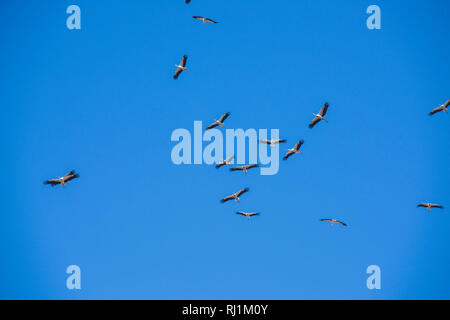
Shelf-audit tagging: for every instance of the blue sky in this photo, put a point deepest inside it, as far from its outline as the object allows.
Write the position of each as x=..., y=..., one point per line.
x=102, y=100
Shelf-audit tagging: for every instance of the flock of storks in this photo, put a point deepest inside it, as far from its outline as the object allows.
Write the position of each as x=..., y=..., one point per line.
x=295, y=150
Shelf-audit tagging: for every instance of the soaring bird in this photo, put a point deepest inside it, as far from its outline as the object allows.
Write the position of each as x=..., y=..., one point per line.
x=295, y=149
x=244, y=168
x=62, y=180
x=219, y=122
x=429, y=206
x=235, y=196
x=227, y=161
x=248, y=214
x=205, y=20
x=272, y=142
x=181, y=67
x=442, y=107
x=320, y=116
x=333, y=221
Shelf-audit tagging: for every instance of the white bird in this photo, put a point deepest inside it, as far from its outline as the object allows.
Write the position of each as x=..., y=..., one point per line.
x=442, y=107
x=181, y=67
x=272, y=143
x=320, y=116
x=248, y=214
x=235, y=196
x=62, y=180
x=227, y=161
x=429, y=205
x=219, y=122
x=294, y=150
x=333, y=221
x=205, y=20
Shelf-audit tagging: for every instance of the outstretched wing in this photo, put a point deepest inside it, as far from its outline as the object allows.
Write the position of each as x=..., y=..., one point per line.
x=240, y=192
x=226, y=115
x=341, y=223
x=177, y=73
x=423, y=205
x=438, y=109
x=221, y=164
x=210, y=20
x=250, y=166
x=236, y=168
x=241, y=213
x=183, y=61
x=71, y=177
x=197, y=17
x=314, y=122
x=437, y=206
x=265, y=141
x=213, y=125
x=253, y=214
x=229, y=158
x=299, y=144
x=226, y=199
x=446, y=104
x=324, y=109
x=52, y=182
x=326, y=220
x=288, y=154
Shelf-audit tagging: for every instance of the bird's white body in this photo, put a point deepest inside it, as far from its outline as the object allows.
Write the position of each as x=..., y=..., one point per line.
x=320, y=117
x=181, y=67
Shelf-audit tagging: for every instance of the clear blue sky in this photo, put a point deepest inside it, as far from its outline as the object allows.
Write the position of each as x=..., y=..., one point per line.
x=102, y=100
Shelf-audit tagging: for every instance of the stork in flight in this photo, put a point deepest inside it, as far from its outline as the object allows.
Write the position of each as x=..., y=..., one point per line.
x=244, y=168
x=227, y=161
x=272, y=143
x=235, y=196
x=248, y=214
x=181, y=67
x=205, y=20
x=62, y=180
x=320, y=116
x=294, y=150
x=219, y=122
x=429, y=206
x=333, y=221
x=442, y=107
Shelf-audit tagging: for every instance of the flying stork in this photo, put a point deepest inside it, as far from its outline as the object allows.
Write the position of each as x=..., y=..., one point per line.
x=442, y=107
x=205, y=20
x=248, y=214
x=333, y=221
x=429, y=206
x=320, y=116
x=272, y=143
x=244, y=168
x=227, y=161
x=62, y=180
x=219, y=122
x=235, y=196
x=181, y=67
x=295, y=149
